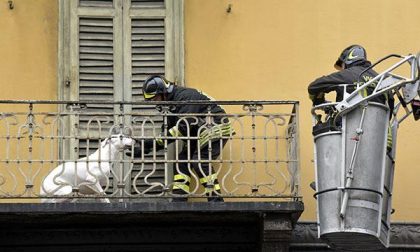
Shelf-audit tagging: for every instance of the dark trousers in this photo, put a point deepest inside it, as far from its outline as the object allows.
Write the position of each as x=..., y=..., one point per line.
x=199, y=163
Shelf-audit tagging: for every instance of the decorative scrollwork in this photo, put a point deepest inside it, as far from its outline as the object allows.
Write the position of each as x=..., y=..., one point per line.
x=76, y=107
x=253, y=108
x=256, y=150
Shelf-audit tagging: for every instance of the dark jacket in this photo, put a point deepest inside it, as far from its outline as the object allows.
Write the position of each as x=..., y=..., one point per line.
x=190, y=126
x=350, y=75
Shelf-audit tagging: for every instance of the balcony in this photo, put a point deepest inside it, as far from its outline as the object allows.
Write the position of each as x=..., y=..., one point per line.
x=45, y=143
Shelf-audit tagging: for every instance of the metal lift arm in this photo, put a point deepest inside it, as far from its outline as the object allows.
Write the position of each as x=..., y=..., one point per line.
x=384, y=83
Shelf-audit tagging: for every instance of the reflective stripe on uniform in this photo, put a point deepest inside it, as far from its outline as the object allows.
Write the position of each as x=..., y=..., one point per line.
x=206, y=179
x=389, y=138
x=175, y=132
x=148, y=96
x=363, y=92
x=182, y=177
x=215, y=188
x=216, y=132
x=159, y=141
x=172, y=131
x=181, y=186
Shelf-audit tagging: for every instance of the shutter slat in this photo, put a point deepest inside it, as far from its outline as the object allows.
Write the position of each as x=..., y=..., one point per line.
x=95, y=97
x=101, y=50
x=149, y=70
x=96, y=37
x=99, y=84
x=152, y=30
x=147, y=4
x=99, y=70
x=92, y=90
x=149, y=63
x=152, y=57
x=149, y=50
x=101, y=77
x=97, y=29
x=96, y=56
x=96, y=43
x=96, y=3
x=142, y=77
x=92, y=63
x=94, y=22
x=148, y=37
x=145, y=43
x=148, y=23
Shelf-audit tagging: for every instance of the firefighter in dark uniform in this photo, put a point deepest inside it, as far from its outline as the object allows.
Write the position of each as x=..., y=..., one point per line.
x=351, y=63
x=203, y=132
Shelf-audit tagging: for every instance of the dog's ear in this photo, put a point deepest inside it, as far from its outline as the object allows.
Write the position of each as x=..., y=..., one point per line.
x=128, y=132
x=105, y=142
x=114, y=131
x=116, y=138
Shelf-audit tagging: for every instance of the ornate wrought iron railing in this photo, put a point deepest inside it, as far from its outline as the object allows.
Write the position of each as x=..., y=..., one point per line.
x=259, y=157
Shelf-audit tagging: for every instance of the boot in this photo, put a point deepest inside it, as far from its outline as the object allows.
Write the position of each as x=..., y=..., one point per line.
x=179, y=199
x=215, y=199
x=180, y=196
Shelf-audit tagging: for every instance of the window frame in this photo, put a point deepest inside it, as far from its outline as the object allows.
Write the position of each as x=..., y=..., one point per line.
x=174, y=45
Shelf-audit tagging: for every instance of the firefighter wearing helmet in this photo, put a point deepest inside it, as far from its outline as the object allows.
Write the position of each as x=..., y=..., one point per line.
x=198, y=135
x=351, y=64
x=353, y=69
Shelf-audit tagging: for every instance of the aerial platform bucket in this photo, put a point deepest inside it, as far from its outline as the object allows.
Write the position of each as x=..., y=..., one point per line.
x=354, y=180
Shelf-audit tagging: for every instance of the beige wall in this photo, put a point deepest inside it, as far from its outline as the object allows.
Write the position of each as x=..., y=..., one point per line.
x=272, y=49
x=28, y=49
x=266, y=49
x=28, y=71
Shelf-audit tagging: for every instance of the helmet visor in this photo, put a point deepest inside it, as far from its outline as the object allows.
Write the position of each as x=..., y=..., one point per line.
x=149, y=96
x=338, y=64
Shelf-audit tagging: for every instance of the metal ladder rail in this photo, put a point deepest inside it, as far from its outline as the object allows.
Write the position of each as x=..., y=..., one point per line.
x=349, y=174
x=387, y=81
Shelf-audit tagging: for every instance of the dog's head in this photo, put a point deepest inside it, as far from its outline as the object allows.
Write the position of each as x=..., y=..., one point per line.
x=120, y=141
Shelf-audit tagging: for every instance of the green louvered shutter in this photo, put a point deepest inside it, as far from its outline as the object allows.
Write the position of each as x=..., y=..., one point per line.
x=113, y=46
x=96, y=70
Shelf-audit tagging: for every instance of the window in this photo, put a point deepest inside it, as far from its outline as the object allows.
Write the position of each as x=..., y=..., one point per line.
x=107, y=48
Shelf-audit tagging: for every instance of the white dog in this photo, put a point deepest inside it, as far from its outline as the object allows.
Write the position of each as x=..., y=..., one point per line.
x=89, y=173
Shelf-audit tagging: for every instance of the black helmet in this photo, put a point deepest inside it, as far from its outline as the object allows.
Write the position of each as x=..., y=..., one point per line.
x=350, y=55
x=155, y=85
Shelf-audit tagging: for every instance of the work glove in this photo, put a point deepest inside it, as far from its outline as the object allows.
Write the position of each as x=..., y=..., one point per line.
x=329, y=110
x=148, y=146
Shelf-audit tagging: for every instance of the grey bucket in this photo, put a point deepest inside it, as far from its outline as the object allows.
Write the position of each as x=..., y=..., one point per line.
x=367, y=210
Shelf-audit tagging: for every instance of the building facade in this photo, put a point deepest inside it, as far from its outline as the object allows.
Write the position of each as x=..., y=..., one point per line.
x=235, y=50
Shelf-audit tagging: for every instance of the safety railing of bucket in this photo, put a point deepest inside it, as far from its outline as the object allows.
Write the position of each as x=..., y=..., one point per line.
x=58, y=151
